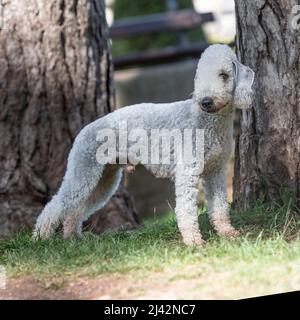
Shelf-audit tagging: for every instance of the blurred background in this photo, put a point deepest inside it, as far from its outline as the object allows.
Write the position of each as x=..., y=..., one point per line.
x=156, y=46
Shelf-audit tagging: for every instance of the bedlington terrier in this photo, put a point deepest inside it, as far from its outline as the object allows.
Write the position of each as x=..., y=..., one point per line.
x=221, y=84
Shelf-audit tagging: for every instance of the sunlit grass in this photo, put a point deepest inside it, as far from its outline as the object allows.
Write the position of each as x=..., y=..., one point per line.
x=269, y=236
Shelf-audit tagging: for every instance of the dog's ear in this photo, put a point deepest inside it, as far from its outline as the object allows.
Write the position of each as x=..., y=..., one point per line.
x=244, y=78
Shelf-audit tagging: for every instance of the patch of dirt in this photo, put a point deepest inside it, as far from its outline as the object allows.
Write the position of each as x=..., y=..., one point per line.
x=190, y=283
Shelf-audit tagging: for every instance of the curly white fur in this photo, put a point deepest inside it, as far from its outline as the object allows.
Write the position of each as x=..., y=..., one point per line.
x=88, y=186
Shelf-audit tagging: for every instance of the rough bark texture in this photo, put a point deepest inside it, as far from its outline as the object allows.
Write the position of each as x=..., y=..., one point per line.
x=55, y=77
x=268, y=148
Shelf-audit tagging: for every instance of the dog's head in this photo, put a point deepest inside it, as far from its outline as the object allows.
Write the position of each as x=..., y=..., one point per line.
x=221, y=81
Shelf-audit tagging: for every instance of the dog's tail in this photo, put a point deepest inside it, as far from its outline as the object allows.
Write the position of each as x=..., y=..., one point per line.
x=49, y=219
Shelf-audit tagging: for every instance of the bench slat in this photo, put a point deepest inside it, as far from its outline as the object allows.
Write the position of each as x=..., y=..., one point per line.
x=155, y=56
x=157, y=23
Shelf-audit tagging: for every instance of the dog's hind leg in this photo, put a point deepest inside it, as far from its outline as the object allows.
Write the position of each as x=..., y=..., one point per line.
x=81, y=178
x=70, y=201
x=72, y=225
x=105, y=189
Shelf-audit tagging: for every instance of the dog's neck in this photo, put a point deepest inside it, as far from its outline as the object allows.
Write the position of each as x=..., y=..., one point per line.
x=222, y=120
x=223, y=123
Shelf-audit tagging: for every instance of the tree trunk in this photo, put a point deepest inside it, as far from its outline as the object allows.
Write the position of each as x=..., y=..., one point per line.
x=55, y=77
x=268, y=148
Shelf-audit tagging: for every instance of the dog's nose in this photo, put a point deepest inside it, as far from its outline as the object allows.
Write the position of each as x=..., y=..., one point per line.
x=207, y=102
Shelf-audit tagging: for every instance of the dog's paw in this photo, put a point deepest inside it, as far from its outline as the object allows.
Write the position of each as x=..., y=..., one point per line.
x=229, y=232
x=42, y=231
x=71, y=234
x=199, y=242
x=35, y=235
x=225, y=229
x=195, y=241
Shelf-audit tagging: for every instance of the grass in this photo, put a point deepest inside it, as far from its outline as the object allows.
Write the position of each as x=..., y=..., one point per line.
x=270, y=235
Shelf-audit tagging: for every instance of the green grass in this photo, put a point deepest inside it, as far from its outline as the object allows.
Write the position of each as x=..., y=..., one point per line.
x=270, y=235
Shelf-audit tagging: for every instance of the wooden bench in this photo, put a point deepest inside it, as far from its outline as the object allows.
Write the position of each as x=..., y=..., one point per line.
x=178, y=21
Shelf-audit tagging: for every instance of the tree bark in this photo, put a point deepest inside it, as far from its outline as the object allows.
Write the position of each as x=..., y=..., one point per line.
x=268, y=148
x=55, y=77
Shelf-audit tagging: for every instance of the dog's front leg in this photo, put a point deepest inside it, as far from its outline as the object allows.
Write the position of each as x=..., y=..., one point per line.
x=215, y=188
x=186, y=189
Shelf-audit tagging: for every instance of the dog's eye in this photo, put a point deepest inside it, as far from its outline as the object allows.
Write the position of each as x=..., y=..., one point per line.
x=224, y=76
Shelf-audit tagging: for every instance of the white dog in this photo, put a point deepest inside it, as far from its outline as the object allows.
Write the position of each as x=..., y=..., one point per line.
x=221, y=85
